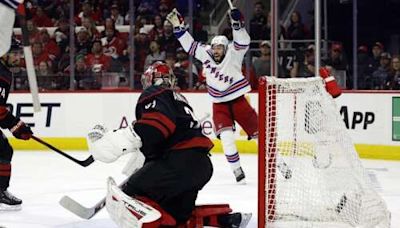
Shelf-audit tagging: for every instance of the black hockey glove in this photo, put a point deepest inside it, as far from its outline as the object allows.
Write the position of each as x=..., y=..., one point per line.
x=237, y=19
x=21, y=131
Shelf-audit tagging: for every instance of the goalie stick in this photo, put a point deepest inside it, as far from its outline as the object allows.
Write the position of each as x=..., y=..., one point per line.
x=83, y=163
x=88, y=212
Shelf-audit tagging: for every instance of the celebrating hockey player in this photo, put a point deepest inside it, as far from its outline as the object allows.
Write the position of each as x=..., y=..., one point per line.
x=177, y=161
x=8, y=121
x=222, y=63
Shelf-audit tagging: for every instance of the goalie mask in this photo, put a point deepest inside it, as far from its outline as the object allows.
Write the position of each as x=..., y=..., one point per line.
x=219, y=45
x=159, y=74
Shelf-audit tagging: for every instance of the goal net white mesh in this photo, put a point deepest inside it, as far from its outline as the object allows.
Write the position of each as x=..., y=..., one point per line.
x=310, y=173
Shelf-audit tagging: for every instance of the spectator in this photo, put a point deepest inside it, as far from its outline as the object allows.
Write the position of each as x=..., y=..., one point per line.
x=44, y=76
x=167, y=41
x=141, y=49
x=182, y=65
x=109, y=24
x=41, y=19
x=380, y=76
x=157, y=31
x=88, y=12
x=83, y=43
x=296, y=29
x=97, y=61
x=393, y=81
x=91, y=28
x=262, y=64
x=33, y=31
x=228, y=30
x=377, y=50
x=258, y=23
x=115, y=16
x=62, y=8
x=155, y=54
x=83, y=75
x=199, y=33
x=337, y=59
x=49, y=45
x=365, y=68
x=40, y=55
x=113, y=45
x=163, y=10
x=61, y=34
x=303, y=65
x=43, y=69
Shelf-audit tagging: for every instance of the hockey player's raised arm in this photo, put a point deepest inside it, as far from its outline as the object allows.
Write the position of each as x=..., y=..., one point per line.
x=7, y=15
x=241, y=39
x=192, y=47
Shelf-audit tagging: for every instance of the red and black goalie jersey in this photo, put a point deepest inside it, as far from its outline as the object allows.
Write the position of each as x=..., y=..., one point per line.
x=165, y=123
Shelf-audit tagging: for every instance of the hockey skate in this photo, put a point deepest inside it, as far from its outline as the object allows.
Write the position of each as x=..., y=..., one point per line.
x=239, y=174
x=8, y=202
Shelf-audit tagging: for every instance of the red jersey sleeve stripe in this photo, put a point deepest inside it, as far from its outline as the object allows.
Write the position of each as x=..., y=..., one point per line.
x=163, y=119
x=156, y=124
x=197, y=142
x=5, y=173
x=5, y=167
x=3, y=112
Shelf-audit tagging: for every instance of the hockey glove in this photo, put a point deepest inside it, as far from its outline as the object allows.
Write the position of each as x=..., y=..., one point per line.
x=108, y=146
x=237, y=19
x=330, y=83
x=21, y=131
x=176, y=19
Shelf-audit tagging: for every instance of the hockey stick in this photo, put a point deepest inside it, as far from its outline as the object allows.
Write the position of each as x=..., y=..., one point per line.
x=230, y=4
x=30, y=68
x=83, y=163
x=85, y=212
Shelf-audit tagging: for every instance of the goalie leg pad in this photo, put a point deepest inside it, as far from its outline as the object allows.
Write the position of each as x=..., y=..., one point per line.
x=128, y=212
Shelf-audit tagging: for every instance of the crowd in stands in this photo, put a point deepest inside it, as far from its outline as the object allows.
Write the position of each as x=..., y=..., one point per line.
x=102, y=51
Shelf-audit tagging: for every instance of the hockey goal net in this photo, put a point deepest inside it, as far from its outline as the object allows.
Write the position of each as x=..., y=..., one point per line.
x=309, y=172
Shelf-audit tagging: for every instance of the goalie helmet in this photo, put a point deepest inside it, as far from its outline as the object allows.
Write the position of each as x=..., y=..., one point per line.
x=159, y=74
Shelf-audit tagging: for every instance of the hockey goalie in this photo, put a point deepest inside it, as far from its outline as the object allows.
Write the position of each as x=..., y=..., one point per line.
x=167, y=140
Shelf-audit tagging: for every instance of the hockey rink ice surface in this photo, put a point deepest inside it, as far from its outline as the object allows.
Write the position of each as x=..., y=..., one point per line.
x=40, y=179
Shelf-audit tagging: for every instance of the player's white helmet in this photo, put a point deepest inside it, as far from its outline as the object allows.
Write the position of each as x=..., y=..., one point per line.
x=220, y=40
x=158, y=73
x=216, y=43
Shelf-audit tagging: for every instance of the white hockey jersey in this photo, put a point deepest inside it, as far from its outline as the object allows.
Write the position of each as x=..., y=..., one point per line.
x=225, y=81
x=7, y=15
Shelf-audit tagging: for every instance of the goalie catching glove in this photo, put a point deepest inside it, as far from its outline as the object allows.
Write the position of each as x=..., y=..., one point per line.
x=176, y=19
x=108, y=146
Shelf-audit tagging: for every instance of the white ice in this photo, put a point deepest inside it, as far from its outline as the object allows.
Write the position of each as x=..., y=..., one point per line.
x=40, y=179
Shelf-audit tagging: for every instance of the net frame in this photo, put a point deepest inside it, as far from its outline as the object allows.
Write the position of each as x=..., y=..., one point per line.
x=268, y=159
